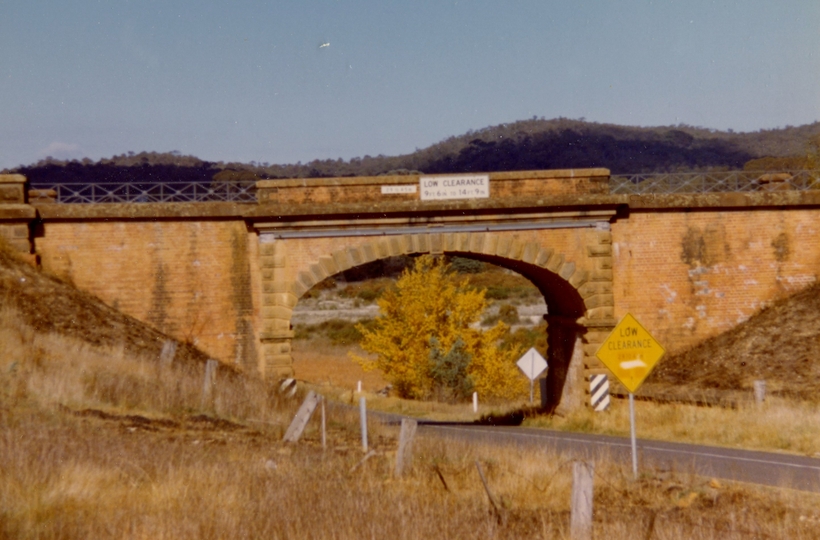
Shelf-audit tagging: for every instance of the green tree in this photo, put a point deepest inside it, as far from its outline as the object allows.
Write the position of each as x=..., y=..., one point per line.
x=431, y=310
x=450, y=371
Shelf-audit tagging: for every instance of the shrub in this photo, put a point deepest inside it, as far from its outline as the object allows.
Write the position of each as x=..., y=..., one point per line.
x=428, y=312
x=466, y=266
x=338, y=331
x=368, y=291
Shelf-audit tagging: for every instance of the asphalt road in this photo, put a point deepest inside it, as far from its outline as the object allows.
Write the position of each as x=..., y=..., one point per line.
x=765, y=468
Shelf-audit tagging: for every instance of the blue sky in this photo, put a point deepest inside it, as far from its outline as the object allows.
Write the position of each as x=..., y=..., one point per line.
x=247, y=80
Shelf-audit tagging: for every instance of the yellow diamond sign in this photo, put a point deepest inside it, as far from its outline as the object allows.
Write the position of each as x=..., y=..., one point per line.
x=630, y=353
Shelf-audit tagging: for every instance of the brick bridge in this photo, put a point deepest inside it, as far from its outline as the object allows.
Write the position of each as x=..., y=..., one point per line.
x=226, y=276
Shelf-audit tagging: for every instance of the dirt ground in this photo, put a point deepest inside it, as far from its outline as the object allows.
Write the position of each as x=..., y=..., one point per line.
x=780, y=345
x=47, y=304
x=323, y=363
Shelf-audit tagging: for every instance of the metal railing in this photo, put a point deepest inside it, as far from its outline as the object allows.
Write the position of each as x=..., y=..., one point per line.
x=714, y=182
x=145, y=192
x=655, y=183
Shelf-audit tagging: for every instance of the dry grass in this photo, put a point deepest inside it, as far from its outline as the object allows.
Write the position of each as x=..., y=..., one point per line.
x=83, y=477
x=98, y=443
x=777, y=424
x=45, y=370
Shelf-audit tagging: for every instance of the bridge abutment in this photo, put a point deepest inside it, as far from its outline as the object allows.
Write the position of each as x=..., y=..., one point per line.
x=278, y=301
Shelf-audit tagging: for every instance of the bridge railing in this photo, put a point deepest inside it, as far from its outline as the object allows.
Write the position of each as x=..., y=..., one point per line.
x=144, y=192
x=653, y=183
x=714, y=182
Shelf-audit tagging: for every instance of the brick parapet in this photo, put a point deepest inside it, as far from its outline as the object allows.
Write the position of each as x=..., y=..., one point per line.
x=369, y=189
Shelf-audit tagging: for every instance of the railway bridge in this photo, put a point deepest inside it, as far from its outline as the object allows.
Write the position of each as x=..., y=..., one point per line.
x=689, y=256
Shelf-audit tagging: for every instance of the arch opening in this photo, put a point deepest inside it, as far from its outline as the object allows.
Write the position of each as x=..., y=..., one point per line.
x=564, y=304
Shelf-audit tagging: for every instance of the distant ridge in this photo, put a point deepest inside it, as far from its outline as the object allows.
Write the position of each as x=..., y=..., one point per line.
x=523, y=145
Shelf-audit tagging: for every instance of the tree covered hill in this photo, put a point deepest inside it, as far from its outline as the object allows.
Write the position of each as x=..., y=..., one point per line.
x=522, y=145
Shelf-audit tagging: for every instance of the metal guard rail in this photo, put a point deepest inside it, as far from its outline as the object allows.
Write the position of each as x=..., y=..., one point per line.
x=714, y=182
x=638, y=184
x=145, y=192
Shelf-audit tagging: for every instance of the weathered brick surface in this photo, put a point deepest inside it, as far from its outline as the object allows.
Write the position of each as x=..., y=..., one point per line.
x=691, y=275
x=567, y=245
x=190, y=279
x=367, y=189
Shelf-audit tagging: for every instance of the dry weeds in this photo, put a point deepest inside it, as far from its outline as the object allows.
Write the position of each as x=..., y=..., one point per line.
x=96, y=442
x=778, y=424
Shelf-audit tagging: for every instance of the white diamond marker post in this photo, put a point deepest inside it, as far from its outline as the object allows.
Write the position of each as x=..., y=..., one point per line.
x=532, y=364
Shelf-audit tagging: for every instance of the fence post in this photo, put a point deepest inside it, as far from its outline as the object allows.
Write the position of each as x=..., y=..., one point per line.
x=324, y=429
x=297, y=426
x=169, y=351
x=405, y=452
x=208, y=383
x=581, y=509
x=363, y=418
x=760, y=391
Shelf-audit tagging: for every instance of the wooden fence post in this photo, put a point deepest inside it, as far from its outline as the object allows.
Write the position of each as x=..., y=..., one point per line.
x=209, y=383
x=324, y=426
x=760, y=391
x=581, y=508
x=297, y=426
x=169, y=351
x=405, y=452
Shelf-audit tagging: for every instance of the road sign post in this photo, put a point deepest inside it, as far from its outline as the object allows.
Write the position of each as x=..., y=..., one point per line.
x=532, y=364
x=630, y=352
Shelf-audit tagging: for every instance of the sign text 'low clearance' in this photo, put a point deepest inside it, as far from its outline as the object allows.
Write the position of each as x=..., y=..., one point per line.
x=468, y=186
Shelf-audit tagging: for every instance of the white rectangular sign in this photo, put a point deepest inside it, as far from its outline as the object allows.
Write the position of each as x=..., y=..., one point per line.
x=468, y=186
x=393, y=190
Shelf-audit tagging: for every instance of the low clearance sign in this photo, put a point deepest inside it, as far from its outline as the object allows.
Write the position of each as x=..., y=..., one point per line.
x=630, y=353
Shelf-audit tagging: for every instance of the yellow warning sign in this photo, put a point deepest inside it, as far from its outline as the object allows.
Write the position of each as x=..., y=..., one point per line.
x=630, y=353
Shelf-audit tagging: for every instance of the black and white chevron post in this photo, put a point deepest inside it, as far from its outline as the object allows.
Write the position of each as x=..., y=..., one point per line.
x=599, y=392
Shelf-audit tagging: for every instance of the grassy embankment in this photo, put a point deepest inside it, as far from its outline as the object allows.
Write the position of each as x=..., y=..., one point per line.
x=98, y=443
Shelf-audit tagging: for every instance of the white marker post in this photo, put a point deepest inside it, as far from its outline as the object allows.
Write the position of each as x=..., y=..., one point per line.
x=632, y=431
x=363, y=415
x=475, y=402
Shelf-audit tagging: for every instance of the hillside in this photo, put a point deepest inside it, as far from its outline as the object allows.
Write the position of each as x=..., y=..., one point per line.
x=780, y=344
x=44, y=304
x=522, y=145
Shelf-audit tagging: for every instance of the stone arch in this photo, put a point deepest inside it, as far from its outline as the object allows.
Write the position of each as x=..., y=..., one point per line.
x=576, y=297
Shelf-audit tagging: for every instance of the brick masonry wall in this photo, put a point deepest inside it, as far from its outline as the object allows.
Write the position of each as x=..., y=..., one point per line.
x=368, y=189
x=189, y=279
x=688, y=276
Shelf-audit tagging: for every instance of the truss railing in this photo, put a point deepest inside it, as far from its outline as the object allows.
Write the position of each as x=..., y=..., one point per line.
x=714, y=182
x=145, y=192
x=657, y=183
